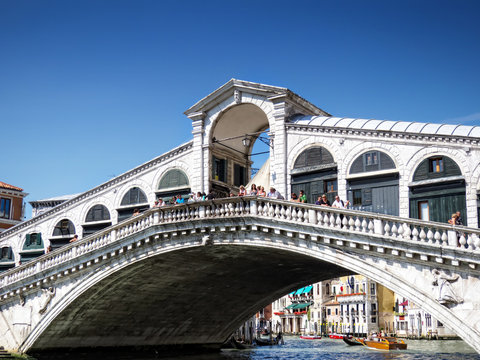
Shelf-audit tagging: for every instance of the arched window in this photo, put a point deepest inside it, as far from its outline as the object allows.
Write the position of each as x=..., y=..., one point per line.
x=97, y=213
x=372, y=161
x=373, y=192
x=6, y=258
x=315, y=156
x=315, y=172
x=32, y=247
x=98, y=218
x=62, y=233
x=437, y=190
x=64, y=228
x=134, y=196
x=173, y=182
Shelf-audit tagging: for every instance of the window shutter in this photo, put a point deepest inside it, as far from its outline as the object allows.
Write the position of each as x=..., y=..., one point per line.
x=27, y=241
x=39, y=238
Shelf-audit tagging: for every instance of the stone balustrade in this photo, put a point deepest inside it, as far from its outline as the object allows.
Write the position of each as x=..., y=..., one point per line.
x=355, y=223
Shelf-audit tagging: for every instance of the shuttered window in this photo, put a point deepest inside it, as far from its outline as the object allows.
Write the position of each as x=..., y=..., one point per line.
x=313, y=157
x=64, y=228
x=97, y=213
x=134, y=196
x=173, y=179
x=372, y=161
x=436, y=167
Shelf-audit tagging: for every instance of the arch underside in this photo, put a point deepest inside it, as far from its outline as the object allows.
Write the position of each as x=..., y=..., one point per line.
x=197, y=295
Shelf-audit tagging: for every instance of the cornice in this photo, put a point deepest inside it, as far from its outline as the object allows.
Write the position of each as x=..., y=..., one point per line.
x=382, y=134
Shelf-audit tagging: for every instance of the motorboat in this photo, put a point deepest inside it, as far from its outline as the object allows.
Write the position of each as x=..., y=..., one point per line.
x=335, y=336
x=384, y=343
x=310, y=337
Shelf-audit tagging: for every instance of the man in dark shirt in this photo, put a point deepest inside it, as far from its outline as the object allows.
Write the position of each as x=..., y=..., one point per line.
x=322, y=200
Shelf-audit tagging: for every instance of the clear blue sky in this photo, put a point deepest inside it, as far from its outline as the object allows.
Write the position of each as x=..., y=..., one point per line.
x=91, y=89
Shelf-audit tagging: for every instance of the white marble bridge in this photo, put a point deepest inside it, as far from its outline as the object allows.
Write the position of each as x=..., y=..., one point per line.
x=190, y=274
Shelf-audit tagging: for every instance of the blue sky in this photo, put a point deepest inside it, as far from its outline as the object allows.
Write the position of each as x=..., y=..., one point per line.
x=91, y=89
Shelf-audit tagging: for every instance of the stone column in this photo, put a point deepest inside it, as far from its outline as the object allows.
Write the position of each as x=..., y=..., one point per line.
x=278, y=155
x=197, y=183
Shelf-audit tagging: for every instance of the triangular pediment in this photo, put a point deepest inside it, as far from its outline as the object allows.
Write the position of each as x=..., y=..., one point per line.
x=271, y=92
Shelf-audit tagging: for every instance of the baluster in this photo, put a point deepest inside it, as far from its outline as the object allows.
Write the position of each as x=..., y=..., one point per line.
x=260, y=208
x=371, y=226
x=231, y=210
x=294, y=214
x=422, y=235
x=344, y=222
x=332, y=220
x=288, y=213
x=283, y=212
x=444, y=238
x=400, y=231
x=470, y=242
x=437, y=237
x=266, y=209
x=277, y=211
x=386, y=229
x=300, y=215
x=351, y=223
x=430, y=236
x=462, y=241
x=394, y=230
x=271, y=210
x=364, y=225
x=415, y=234
x=476, y=241
x=319, y=217
x=338, y=221
x=247, y=208
x=326, y=220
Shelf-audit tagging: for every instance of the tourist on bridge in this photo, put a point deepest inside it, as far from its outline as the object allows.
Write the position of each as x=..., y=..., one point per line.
x=459, y=218
x=323, y=201
x=274, y=194
x=75, y=238
x=253, y=190
x=303, y=197
x=261, y=191
x=295, y=198
x=242, y=191
x=338, y=203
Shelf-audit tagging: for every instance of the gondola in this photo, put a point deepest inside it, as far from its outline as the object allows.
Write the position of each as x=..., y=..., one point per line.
x=349, y=340
x=269, y=342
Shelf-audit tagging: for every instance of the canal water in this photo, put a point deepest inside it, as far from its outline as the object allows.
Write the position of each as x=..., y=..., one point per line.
x=298, y=349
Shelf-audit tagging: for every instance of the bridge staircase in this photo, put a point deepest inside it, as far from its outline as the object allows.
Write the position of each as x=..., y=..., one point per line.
x=5, y=355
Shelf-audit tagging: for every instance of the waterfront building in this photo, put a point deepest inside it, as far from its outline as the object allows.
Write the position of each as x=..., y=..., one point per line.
x=11, y=214
x=41, y=206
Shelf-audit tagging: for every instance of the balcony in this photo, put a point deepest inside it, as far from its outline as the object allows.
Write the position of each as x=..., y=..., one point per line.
x=351, y=298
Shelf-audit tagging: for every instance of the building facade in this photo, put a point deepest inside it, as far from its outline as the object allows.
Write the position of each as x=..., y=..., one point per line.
x=11, y=214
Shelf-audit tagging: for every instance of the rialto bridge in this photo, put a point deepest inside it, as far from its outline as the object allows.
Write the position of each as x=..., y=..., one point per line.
x=190, y=274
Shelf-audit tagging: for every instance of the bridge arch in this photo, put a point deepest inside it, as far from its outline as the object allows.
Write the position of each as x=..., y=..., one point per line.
x=173, y=181
x=314, y=256
x=142, y=197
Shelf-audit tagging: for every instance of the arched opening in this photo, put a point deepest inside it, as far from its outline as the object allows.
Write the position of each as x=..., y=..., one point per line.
x=173, y=183
x=134, y=199
x=315, y=172
x=62, y=234
x=7, y=259
x=437, y=190
x=32, y=247
x=372, y=184
x=98, y=218
x=232, y=142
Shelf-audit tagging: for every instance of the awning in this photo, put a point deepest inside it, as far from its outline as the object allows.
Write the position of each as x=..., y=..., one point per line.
x=307, y=289
x=291, y=306
x=302, y=305
x=299, y=291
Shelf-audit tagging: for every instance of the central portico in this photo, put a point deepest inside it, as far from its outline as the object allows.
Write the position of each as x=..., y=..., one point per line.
x=226, y=124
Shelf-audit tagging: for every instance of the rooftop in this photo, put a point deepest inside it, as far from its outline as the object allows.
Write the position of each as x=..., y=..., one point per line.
x=9, y=187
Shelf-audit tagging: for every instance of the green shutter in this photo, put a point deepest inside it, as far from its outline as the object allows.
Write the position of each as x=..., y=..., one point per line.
x=27, y=241
x=39, y=238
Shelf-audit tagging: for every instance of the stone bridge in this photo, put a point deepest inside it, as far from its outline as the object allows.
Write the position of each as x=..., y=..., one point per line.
x=191, y=274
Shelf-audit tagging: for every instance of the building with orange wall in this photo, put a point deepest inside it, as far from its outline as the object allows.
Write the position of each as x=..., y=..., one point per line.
x=11, y=205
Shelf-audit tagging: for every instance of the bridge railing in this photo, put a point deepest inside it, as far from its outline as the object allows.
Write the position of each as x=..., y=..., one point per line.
x=460, y=238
